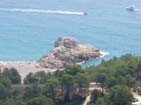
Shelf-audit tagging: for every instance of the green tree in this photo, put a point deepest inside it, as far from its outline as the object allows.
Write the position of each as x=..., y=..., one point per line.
x=6, y=82
x=30, y=79
x=120, y=95
x=4, y=92
x=100, y=101
x=13, y=75
x=42, y=100
x=138, y=73
x=81, y=81
x=74, y=69
x=95, y=95
x=32, y=91
x=67, y=82
x=51, y=88
x=102, y=79
x=10, y=102
x=41, y=77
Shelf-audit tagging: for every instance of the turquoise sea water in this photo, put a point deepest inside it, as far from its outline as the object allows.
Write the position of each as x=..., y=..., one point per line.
x=108, y=26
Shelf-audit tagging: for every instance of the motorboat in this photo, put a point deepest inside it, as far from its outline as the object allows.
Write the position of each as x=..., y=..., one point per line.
x=131, y=8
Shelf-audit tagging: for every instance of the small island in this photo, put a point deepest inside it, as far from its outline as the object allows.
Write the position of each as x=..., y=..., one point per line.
x=66, y=51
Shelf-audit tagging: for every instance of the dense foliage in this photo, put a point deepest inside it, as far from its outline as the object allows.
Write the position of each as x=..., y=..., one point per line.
x=117, y=79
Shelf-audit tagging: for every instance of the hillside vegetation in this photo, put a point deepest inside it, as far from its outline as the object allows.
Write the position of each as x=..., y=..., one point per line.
x=117, y=78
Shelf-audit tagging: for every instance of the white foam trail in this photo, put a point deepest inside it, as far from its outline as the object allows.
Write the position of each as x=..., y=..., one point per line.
x=42, y=11
x=139, y=10
x=103, y=54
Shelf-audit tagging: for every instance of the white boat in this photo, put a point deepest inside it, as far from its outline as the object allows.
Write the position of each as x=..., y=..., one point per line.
x=131, y=8
x=85, y=13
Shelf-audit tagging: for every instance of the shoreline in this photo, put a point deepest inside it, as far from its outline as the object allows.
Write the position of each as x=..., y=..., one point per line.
x=25, y=67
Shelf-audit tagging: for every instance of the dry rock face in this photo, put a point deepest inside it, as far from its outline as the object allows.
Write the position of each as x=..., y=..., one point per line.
x=68, y=51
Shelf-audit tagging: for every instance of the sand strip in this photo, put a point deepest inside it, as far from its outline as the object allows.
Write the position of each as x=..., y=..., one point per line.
x=25, y=67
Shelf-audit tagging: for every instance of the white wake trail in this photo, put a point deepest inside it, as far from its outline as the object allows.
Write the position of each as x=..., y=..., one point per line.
x=103, y=54
x=42, y=11
x=138, y=10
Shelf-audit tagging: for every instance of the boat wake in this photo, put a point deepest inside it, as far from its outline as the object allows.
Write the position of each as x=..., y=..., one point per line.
x=43, y=11
x=103, y=54
x=138, y=10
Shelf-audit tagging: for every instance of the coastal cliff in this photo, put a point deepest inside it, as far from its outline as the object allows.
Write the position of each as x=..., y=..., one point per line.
x=67, y=51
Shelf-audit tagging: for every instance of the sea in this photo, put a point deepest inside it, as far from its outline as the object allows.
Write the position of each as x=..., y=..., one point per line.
x=29, y=28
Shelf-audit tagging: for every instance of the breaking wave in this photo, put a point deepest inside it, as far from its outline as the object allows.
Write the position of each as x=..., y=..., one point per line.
x=42, y=11
x=103, y=54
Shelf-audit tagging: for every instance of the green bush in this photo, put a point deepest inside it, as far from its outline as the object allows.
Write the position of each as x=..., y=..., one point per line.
x=139, y=90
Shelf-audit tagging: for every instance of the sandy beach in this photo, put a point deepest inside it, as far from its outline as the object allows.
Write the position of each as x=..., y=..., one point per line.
x=24, y=67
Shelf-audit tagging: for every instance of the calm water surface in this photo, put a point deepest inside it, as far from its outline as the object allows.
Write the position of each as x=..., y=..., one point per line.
x=108, y=26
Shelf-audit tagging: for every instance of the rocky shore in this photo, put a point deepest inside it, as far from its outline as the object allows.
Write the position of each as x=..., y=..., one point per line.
x=67, y=51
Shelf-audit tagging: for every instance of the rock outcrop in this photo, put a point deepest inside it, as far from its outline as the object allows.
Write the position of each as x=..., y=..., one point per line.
x=68, y=51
